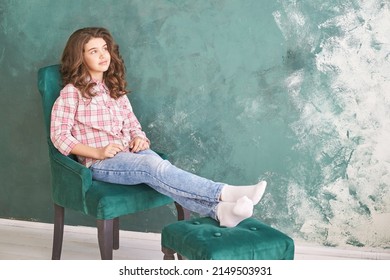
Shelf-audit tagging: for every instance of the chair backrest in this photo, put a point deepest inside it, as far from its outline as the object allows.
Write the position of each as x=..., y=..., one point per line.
x=49, y=86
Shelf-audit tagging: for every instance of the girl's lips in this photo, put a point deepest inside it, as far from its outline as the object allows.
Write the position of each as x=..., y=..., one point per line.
x=103, y=63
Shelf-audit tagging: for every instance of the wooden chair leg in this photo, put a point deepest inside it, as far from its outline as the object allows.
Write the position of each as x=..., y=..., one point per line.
x=182, y=213
x=116, y=234
x=105, y=238
x=59, y=213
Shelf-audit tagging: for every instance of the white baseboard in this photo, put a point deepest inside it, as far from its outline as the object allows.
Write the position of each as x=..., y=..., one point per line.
x=313, y=252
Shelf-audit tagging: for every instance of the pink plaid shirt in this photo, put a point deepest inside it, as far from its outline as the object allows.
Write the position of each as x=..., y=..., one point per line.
x=94, y=122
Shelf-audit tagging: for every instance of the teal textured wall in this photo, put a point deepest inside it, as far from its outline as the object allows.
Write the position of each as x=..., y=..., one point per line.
x=294, y=92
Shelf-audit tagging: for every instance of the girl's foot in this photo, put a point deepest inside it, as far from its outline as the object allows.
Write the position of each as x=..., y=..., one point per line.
x=233, y=193
x=231, y=214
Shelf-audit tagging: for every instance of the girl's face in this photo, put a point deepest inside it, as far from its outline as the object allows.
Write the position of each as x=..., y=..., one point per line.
x=97, y=57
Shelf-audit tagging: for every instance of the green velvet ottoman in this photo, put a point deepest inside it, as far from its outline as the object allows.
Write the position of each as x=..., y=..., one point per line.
x=204, y=239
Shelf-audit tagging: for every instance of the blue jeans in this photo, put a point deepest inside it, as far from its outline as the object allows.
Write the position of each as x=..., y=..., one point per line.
x=193, y=192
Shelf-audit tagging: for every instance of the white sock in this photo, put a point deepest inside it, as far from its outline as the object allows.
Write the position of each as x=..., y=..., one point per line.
x=233, y=193
x=231, y=214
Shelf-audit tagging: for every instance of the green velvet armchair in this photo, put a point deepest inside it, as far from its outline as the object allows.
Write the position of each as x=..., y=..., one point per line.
x=74, y=188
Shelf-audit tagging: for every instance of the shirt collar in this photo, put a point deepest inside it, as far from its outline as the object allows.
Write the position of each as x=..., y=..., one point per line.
x=100, y=86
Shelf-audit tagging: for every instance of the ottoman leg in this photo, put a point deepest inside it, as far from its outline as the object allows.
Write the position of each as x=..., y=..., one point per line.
x=169, y=254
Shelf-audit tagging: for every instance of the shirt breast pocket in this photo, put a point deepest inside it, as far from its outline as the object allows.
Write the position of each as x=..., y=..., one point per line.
x=95, y=114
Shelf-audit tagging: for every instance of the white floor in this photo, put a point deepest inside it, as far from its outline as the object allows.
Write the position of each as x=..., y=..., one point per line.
x=21, y=240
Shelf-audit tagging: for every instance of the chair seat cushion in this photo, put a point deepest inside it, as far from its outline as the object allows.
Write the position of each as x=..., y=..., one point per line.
x=107, y=201
x=204, y=239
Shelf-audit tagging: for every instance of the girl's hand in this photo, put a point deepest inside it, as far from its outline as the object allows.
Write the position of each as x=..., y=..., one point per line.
x=109, y=151
x=138, y=144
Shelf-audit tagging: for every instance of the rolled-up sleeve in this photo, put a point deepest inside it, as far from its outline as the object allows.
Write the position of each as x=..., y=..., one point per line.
x=62, y=120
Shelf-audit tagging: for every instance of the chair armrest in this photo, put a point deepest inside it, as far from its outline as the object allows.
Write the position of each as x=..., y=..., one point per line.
x=70, y=180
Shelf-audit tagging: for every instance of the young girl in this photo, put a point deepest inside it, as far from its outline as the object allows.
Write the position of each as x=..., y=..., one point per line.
x=93, y=119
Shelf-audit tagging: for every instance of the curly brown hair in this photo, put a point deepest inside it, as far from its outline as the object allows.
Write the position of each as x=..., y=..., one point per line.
x=74, y=70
